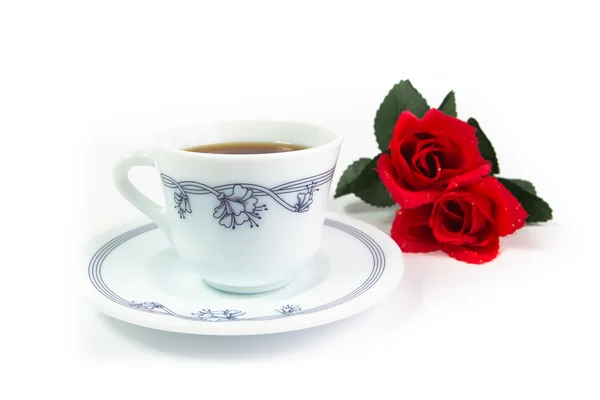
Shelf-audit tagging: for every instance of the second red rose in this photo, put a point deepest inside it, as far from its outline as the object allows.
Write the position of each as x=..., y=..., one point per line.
x=465, y=222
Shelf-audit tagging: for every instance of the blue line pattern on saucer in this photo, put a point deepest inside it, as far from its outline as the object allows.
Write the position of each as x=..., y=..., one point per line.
x=231, y=315
x=238, y=202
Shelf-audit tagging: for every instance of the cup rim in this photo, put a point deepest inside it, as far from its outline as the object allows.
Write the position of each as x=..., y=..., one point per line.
x=335, y=141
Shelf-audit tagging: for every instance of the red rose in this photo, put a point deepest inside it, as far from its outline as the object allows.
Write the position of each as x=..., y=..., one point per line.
x=464, y=222
x=429, y=155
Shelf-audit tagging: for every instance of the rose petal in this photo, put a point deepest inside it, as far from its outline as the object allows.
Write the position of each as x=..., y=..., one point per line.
x=411, y=231
x=402, y=147
x=471, y=176
x=401, y=195
x=437, y=122
x=447, y=219
x=473, y=254
x=421, y=162
x=406, y=125
x=401, y=155
x=482, y=203
x=508, y=214
x=467, y=211
x=478, y=221
x=452, y=209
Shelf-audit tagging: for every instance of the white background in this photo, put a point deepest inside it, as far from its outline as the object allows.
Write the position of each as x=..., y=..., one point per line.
x=83, y=82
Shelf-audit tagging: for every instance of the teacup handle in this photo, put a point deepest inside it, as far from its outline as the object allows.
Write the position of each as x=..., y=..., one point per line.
x=121, y=178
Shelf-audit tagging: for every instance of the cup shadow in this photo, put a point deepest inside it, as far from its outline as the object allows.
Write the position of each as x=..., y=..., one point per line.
x=222, y=347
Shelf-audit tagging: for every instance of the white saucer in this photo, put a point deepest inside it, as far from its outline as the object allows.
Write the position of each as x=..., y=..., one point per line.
x=135, y=276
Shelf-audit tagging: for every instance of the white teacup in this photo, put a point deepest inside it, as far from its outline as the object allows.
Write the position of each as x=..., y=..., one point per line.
x=249, y=223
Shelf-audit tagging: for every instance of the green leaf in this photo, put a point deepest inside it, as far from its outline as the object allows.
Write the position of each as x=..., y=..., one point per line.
x=362, y=179
x=523, y=184
x=352, y=172
x=485, y=146
x=537, y=209
x=367, y=177
x=376, y=195
x=448, y=105
x=402, y=97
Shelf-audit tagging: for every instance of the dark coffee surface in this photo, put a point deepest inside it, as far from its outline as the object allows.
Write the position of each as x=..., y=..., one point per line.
x=246, y=148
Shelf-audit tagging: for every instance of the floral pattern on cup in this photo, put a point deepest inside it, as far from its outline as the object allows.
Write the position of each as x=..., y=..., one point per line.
x=305, y=199
x=182, y=204
x=238, y=203
x=237, y=207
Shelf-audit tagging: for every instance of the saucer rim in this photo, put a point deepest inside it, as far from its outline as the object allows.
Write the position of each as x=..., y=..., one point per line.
x=384, y=286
